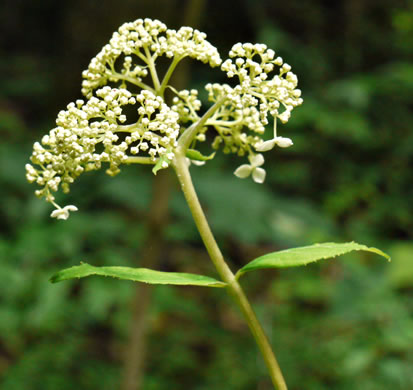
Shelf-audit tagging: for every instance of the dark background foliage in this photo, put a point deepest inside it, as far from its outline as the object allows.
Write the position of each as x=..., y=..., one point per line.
x=346, y=323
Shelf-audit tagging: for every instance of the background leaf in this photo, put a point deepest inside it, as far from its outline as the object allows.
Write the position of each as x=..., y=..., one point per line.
x=306, y=254
x=137, y=275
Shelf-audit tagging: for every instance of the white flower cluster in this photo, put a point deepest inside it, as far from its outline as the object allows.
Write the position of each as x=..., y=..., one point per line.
x=233, y=119
x=248, y=104
x=187, y=42
x=144, y=40
x=70, y=148
x=97, y=131
x=130, y=39
x=158, y=128
x=252, y=64
x=186, y=104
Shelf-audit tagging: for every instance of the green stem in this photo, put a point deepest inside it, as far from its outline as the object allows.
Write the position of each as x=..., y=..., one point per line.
x=189, y=134
x=234, y=288
x=132, y=80
x=168, y=75
x=152, y=69
x=140, y=160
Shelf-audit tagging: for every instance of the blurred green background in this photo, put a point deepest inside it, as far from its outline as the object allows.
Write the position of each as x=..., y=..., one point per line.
x=345, y=323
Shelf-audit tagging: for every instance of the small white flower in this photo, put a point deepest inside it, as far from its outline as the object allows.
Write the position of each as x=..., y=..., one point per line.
x=63, y=213
x=258, y=174
x=282, y=142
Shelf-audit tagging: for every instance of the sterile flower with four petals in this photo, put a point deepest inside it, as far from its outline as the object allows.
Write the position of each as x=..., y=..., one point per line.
x=258, y=174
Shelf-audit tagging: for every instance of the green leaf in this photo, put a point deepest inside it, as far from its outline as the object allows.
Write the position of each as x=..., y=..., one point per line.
x=159, y=163
x=137, y=275
x=195, y=155
x=306, y=254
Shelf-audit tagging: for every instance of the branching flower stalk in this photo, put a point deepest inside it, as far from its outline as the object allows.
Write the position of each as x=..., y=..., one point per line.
x=123, y=78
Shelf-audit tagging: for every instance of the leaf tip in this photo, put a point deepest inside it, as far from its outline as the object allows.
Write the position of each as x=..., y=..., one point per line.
x=54, y=278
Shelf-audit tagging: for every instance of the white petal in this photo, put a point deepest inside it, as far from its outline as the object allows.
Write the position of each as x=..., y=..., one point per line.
x=70, y=208
x=198, y=162
x=266, y=145
x=243, y=171
x=55, y=213
x=283, y=142
x=258, y=174
x=284, y=116
x=63, y=213
x=256, y=160
x=60, y=214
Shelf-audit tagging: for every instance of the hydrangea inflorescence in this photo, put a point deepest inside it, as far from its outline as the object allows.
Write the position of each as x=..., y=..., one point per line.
x=123, y=73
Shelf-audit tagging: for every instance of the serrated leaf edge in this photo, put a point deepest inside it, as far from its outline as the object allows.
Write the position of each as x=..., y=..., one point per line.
x=90, y=270
x=361, y=247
